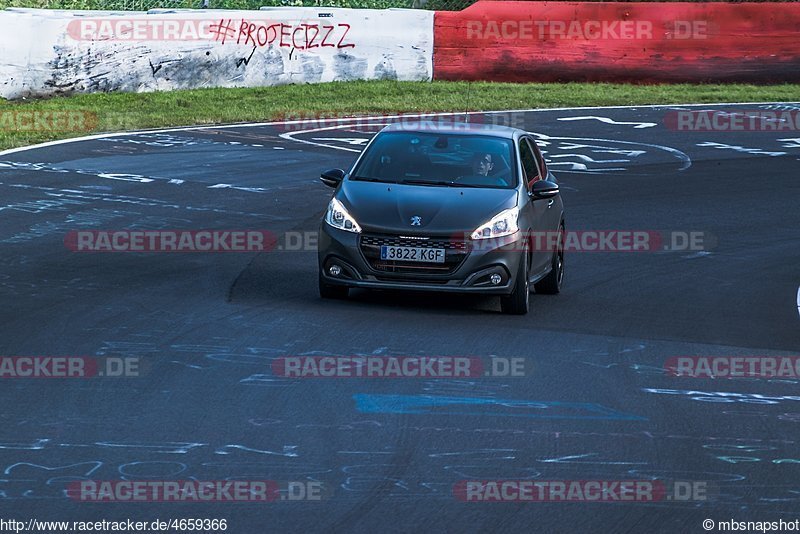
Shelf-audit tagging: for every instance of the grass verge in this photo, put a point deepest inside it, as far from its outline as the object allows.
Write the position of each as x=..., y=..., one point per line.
x=110, y=112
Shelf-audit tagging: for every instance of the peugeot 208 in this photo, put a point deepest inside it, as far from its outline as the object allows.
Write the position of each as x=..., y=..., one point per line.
x=467, y=209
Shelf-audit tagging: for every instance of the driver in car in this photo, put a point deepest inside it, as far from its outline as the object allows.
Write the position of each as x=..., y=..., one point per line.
x=482, y=164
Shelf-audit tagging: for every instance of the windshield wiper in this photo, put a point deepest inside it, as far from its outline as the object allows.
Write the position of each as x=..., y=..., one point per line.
x=437, y=183
x=378, y=180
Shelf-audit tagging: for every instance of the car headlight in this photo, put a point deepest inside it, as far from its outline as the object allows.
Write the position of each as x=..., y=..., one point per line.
x=338, y=217
x=502, y=224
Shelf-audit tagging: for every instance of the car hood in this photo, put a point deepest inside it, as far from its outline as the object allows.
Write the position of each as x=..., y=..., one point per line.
x=382, y=207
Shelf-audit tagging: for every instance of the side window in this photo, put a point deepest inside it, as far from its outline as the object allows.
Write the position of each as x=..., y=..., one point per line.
x=539, y=159
x=528, y=163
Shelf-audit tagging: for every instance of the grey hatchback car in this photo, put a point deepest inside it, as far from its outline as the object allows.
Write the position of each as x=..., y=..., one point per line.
x=466, y=209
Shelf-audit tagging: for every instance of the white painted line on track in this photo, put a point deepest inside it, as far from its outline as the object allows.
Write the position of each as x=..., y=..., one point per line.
x=608, y=120
x=289, y=137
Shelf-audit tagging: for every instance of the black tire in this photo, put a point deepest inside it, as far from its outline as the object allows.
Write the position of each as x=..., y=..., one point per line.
x=517, y=303
x=330, y=291
x=551, y=284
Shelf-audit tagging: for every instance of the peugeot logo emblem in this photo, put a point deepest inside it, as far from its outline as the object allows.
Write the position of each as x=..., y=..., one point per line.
x=416, y=220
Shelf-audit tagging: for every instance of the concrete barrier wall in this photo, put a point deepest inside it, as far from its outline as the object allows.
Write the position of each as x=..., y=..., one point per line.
x=50, y=52
x=46, y=52
x=619, y=42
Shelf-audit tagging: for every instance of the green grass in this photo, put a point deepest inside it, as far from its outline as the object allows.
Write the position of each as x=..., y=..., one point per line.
x=132, y=111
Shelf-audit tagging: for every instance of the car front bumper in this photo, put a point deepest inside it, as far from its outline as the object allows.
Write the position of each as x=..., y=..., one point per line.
x=472, y=275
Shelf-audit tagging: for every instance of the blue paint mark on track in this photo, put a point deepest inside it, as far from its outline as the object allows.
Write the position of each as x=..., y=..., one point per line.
x=426, y=404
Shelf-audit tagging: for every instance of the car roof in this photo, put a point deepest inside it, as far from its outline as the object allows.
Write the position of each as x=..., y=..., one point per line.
x=455, y=128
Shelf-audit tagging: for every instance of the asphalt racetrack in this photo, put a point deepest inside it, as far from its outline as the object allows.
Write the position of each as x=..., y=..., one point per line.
x=596, y=402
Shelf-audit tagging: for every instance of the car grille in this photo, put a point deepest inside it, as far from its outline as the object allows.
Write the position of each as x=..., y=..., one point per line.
x=455, y=252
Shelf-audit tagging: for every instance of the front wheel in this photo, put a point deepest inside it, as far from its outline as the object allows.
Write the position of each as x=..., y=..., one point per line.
x=551, y=284
x=330, y=291
x=517, y=302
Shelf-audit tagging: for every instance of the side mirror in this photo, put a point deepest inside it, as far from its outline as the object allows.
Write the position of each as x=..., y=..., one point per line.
x=544, y=189
x=332, y=177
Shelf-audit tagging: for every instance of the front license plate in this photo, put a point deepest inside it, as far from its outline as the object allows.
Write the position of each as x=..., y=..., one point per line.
x=427, y=255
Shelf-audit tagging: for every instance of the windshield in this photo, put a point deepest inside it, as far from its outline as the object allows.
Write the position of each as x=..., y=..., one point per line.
x=438, y=159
